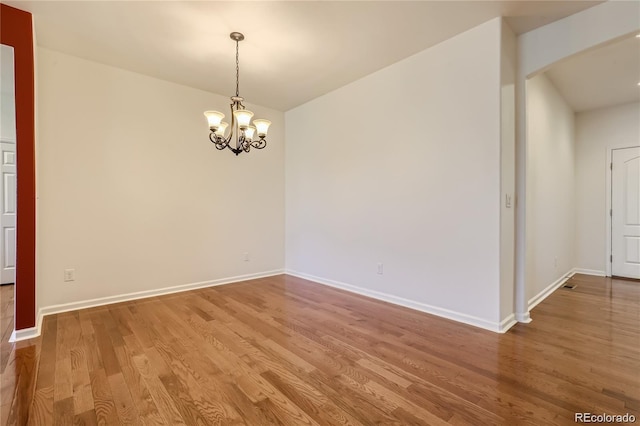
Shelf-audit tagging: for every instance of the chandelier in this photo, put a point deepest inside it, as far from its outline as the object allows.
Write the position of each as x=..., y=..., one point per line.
x=241, y=130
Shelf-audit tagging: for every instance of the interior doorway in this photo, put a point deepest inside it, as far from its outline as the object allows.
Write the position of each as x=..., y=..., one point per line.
x=8, y=205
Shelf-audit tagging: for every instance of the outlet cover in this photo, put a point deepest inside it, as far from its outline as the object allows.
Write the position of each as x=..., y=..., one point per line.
x=69, y=275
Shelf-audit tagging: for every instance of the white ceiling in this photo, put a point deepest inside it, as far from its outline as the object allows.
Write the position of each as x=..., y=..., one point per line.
x=603, y=77
x=294, y=51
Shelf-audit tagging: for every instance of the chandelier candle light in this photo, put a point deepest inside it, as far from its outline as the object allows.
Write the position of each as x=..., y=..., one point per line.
x=246, y=135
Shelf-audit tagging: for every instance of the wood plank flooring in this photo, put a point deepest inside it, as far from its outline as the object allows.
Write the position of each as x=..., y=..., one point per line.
x=17, y=366
x=282, y=350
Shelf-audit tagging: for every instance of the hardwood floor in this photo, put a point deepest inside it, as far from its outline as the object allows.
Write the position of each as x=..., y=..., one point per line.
x=17, y=364
x=282, y=350
x=6, y=318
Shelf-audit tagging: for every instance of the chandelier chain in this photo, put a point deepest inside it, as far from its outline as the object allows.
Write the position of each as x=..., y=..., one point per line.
x=237, y=69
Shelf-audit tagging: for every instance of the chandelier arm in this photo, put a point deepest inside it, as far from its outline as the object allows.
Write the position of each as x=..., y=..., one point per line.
x=259, y=144
x=233, y=123
x=244, y=144
x=219, y=142
x=214, y=138
x=234, y=150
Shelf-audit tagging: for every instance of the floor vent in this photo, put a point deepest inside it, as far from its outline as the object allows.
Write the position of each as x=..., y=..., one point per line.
x=570, y=286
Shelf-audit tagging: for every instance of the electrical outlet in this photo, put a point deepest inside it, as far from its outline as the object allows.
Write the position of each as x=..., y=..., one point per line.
x=246, y=257
x=380, y=268
x=69, y=275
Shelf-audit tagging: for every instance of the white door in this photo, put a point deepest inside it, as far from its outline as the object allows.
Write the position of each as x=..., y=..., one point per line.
x=625, y=213
x=8, y=213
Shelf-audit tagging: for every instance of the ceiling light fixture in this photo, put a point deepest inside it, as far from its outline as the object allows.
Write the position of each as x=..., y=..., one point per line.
x=245, y=133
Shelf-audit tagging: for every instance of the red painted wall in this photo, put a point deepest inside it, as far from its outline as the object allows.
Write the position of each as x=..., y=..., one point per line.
x=16, y=30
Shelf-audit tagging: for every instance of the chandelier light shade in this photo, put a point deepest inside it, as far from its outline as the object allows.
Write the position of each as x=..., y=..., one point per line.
x=243, y=117
x=242, y=132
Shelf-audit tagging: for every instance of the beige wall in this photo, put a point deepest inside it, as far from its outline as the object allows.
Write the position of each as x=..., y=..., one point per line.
x=408, y=176
x=134, y=197
x=550, y=187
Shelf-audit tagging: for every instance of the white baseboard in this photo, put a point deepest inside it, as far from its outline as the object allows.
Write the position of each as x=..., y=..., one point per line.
x=24, y=334
x=535, y=300
x=507, y=323
x=501, y=327
x=593, y=272
x=29, y=333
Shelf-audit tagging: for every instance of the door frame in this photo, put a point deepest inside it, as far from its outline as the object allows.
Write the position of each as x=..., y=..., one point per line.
x=609, y=193
x=16, y=30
